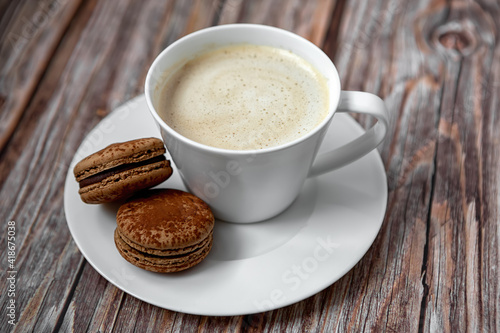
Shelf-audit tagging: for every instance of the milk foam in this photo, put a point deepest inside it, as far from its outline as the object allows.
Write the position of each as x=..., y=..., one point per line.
x=244, y=97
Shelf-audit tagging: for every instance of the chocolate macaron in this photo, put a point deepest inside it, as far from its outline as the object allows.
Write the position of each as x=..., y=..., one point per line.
x=121, y=169
x=164, y=230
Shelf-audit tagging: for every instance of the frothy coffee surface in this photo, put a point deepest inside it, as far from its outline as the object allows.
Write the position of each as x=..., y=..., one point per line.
x=244, y=97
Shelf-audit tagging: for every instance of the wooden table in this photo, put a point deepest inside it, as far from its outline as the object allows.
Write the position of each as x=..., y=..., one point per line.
x=65, y=64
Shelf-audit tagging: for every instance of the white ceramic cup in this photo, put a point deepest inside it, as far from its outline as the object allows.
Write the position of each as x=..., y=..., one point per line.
x=254, y=185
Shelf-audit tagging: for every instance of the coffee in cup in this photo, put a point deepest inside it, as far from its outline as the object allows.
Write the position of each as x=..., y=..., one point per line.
x=244, y=97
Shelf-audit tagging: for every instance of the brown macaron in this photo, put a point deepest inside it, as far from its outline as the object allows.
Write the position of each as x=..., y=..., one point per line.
x=121, y=169
x=164, y=230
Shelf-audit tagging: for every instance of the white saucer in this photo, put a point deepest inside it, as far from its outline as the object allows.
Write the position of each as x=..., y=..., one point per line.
x=252, y=267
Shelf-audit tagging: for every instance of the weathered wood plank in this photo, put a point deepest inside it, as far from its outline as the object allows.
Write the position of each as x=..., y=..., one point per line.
x=308, y=19
x=82, y=316
x=31, y=32
x=428, y=83
x=463, y=283
x=33, y=198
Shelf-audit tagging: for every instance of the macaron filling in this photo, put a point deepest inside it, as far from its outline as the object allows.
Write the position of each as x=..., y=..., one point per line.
x=120, y=168
x=167, y=253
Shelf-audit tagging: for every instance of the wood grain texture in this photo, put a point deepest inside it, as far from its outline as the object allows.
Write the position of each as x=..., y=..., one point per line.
x=31, y=31
x=65, y=64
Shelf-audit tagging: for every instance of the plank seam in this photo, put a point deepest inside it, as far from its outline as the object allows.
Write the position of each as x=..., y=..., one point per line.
x=334, y=26
x=220, y=5
x=425, y=296
x=425, y=257
x=68, y=300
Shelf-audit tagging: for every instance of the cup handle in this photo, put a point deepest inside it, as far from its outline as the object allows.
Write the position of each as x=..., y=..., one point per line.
x=358, y=102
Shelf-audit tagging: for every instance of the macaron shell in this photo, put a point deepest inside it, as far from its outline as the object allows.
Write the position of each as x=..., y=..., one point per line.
x=165, y=219
x=118, y=154
x=124, y=184
x=161, y=264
